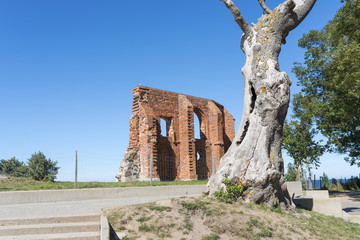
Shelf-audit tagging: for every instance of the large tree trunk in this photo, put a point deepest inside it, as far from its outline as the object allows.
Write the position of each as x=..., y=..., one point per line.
x=254, y=157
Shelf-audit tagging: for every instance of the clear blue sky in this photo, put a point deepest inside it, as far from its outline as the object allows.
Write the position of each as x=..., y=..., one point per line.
x=67, y=69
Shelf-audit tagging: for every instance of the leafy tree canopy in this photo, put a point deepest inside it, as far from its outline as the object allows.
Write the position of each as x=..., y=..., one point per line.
x=299, y=142
x=13, y=167
x=330, y=81
x=41, y=168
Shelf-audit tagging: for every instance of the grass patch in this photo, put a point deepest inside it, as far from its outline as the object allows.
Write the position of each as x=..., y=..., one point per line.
x=159, y=208
x=143, y=219
x=28, y=184
x=192, y=206
x=212, y=236
x=146, y=228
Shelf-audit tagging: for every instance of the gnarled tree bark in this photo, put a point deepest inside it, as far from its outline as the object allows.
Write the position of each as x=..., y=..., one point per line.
x=254, y=157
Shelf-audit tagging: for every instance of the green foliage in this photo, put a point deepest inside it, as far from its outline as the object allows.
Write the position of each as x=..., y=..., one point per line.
x=188, y=224
x=298, y=140
x=192, y=206
x=41, y=168
x=330, y=80
x=212, y=236
x=352, y=184
x=291, y=173
x=233, y=191
x=143, y=219
x=147, y=228
x=13, y=167
x=325, y=182
x=160, y=208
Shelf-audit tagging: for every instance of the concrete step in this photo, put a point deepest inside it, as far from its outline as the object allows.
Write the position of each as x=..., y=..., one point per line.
x=33, y=229
x=61, y=236
x=47, y=220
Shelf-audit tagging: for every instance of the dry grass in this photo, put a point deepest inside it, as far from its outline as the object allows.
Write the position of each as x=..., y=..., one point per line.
x=207, y=219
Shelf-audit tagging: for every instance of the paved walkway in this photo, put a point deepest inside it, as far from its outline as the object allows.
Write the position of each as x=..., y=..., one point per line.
x=71, y=208
x=350, y=201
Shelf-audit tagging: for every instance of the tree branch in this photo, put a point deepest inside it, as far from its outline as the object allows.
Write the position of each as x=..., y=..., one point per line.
x=264, y=7
x=301, y=10
x=247, y=29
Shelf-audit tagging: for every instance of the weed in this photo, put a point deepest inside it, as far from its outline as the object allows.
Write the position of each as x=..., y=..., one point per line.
x=212, y=212
x=128, y=238
x=143, y=219
x=261, y=206
x=276, y=209
x=253, y=222
x=146, y=228
x=265, y=232
x=212, y=236
x=237, y=212
x=159, y=208
x=116, y=215
x=195, y=205
x=188, y=224
x=121, y=228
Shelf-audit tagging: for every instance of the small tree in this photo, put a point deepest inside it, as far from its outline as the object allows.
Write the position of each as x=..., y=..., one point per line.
x=13, y=167
x=291, y=174
x=300, y=145
x=326, y=182
x=41, y=168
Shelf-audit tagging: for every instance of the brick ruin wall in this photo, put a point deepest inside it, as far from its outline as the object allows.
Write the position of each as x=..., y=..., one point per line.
x=177, y=154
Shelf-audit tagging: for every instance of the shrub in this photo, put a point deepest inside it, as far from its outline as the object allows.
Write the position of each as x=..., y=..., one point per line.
x=233, y=191
x=41, y=168
x=14, y=167
x=352, y=184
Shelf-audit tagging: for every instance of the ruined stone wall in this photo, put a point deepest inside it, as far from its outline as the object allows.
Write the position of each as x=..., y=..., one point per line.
x=177, y=155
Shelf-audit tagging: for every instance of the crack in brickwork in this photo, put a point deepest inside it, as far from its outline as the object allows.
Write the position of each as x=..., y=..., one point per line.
x=177, y=155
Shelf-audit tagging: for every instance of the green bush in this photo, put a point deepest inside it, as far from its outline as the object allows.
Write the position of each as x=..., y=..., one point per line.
x=41, y=168
x=352, y=184
x=13, y=167
x=233, y=191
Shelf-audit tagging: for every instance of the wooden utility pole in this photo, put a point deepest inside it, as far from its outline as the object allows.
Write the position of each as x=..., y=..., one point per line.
x=76, y=166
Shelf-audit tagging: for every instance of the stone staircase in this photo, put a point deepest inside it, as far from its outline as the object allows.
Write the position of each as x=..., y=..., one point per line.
x=319, y=201
x=85, y=227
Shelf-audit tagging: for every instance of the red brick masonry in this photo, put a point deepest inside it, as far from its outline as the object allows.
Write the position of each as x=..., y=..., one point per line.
x=178, y=154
